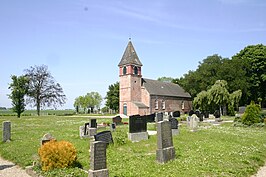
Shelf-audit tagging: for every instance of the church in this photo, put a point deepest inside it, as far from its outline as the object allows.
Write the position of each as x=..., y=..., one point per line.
x=143, y=96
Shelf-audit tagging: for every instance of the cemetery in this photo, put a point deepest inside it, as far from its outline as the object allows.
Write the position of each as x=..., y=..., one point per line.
x=200, y=148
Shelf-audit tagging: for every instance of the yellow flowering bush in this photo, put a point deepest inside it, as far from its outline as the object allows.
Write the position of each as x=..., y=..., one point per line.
x=57, y=154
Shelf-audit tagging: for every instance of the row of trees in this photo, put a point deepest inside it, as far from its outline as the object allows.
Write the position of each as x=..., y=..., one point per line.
x=246, y=71
x=88, y=102
x=39, y=88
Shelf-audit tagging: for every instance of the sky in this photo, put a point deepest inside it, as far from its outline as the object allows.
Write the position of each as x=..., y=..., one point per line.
x=82, y=41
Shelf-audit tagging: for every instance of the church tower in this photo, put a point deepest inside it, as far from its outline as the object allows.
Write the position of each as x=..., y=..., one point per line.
x=130, y=81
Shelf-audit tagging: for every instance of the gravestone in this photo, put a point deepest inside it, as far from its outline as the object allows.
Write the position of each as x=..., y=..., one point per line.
x=241, y=109
x=191, y=112
x=98, y=167
x=105, y=136
x=193, y=123
x=137, y=124
x=84, y=131
x=46, y=138
x=92, y=130
x=176, y=114
x=165, y=149
x=150, y=118
x=159, y=117
x=112, y=127
x=117, y=120
x=6, y=131
x=206, y=114
x=93, y=123
x=137, y=128
x=86, y=126
x=174, y=126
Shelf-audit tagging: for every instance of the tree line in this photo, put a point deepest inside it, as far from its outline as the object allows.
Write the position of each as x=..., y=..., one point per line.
x=245, y=71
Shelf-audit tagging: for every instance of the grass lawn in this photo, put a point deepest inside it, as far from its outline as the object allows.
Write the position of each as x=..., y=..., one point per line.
x=216, y=151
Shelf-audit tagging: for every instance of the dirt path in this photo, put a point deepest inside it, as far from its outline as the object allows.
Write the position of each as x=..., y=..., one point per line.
x=9, y=169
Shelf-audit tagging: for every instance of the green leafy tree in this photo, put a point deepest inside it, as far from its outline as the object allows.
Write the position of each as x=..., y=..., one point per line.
x=78, y=103
x=19, y=88
x=93, y=100
x=43, y=90
x=112, y=97
x=253, y=60
x=201, y=101
x=204, y=77
x=218, y=94
x=252, y=114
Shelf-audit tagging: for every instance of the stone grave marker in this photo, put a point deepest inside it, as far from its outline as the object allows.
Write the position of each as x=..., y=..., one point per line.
x=176, y=114
x=6, y=131
x=174, y=126
x=159, y=117
x=150, y=118
x=93, y=123
x=137, y=128
x=84, y=131
x=112, y=126
x=117, y=120
x=193, y=123
x=165, y=149
x=46, y=138
x=105, y=136
x=98, y=167
x=241, y=109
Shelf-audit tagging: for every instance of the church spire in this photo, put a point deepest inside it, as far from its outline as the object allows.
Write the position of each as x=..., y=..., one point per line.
x=130, y=56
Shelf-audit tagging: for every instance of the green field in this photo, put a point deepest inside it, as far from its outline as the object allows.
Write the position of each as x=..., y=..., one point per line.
x=9, y=112
x=211, y=151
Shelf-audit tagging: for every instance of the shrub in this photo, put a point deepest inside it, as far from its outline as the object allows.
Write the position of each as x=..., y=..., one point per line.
x=55, y=154
x=251, y=114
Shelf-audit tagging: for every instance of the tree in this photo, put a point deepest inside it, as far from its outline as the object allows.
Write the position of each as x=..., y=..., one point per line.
x=218, y=94
x=19, y=88
x=78, y=103
x=201, y=101
x=112, y=97
x=93, y=100
x=43, y=90
x=253, y=60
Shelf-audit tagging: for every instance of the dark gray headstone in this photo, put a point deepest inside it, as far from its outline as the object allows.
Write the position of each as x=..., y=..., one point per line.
x=174, y=123
x=117, y=120
x=165, y=150
x=176, y=114
x=137, y=124
x=159, y=116
x=164, y=135
x=93, y=123
x=6, y=131
x=150, y=118
x=241, y=109
x=98, y=165
x=105, y=136
x=112, y=126
x=217, y=114
x=191, y=112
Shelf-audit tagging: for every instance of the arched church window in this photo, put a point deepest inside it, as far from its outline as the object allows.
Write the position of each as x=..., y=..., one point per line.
x=124, y=70
x=163, y=104
x=182, y=105
x=135, y=70
x=156, y=104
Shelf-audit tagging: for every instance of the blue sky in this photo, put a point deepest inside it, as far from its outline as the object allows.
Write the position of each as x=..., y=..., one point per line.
x=82, y=41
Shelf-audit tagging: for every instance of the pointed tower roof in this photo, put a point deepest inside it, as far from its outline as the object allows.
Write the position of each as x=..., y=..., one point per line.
x=130, y=56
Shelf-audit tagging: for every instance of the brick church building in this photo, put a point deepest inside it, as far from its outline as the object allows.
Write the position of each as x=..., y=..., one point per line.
x=146, y=96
